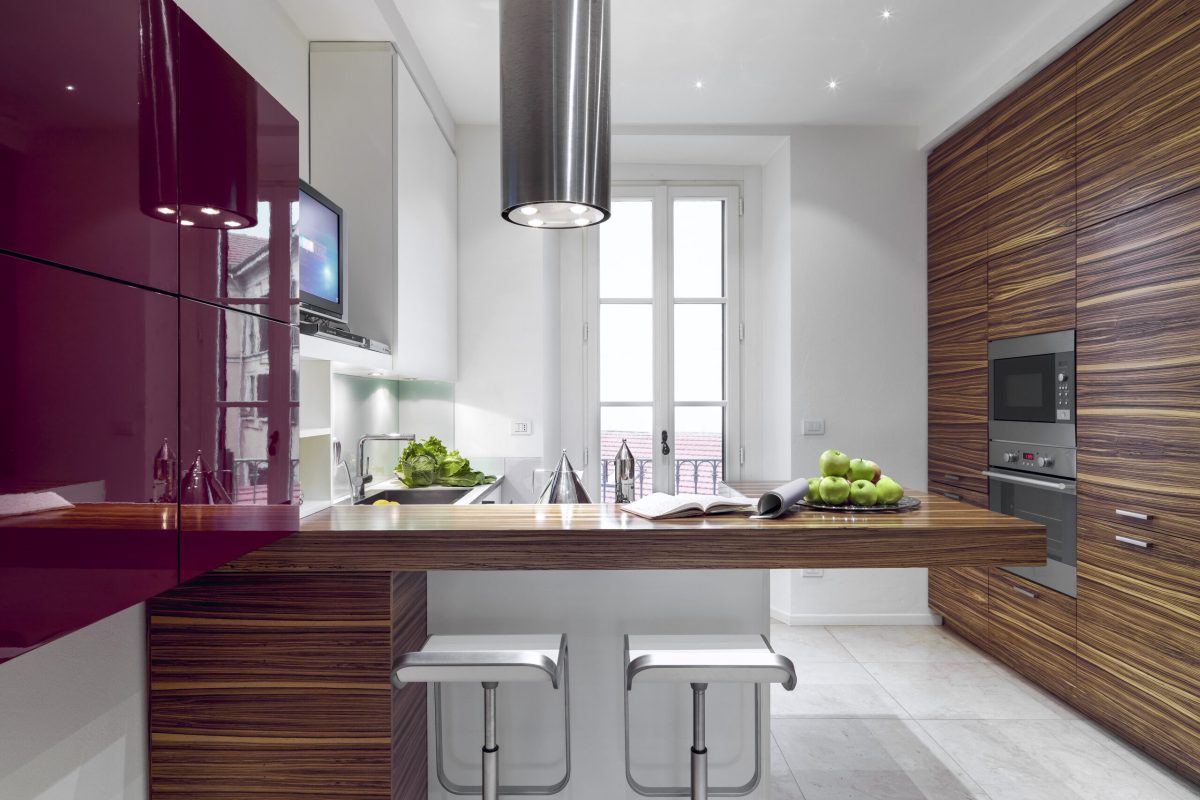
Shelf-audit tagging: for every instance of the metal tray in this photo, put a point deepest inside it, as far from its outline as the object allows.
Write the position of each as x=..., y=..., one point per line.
x=906, y=504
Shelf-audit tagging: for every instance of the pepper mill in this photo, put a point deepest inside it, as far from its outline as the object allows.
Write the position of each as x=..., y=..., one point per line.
x=165, y=470
x=624, y=468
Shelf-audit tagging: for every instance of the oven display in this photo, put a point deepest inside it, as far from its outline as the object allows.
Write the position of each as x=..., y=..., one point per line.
x=1027, y=456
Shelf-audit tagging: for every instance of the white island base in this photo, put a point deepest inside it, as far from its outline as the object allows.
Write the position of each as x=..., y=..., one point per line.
x=595, y=609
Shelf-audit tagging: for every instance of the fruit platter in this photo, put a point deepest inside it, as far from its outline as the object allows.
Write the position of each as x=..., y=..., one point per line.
x=854, y=485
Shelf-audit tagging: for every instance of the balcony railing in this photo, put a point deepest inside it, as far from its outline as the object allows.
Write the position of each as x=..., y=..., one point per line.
x=691, y=476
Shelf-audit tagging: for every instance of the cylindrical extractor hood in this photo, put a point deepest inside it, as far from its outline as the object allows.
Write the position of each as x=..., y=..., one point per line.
x=554, y=98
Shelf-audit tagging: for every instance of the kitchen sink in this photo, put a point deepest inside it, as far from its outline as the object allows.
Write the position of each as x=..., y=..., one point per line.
x=411, y=497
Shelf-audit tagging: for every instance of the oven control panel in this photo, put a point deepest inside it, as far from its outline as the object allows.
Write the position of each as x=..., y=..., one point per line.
x=1035, y=458
x=1064, y=387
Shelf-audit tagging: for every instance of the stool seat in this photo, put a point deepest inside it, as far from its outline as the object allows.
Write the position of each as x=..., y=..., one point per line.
x=720, y=658
x=485, y=658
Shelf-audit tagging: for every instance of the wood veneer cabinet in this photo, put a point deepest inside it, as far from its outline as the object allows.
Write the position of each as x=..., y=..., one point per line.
x=1032, y=290
x=1138, y=99
x=1032, y=629
x=1031, y=161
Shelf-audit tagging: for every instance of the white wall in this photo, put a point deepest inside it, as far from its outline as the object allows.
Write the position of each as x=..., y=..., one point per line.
x=73, y=716
x=268, y=45
x=858, y=321
x=504, y=341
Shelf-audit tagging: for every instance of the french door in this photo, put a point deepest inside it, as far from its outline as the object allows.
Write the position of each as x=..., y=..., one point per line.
x=663, y=331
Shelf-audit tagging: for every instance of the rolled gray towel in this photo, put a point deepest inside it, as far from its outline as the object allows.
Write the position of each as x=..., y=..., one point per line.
x=778, y=502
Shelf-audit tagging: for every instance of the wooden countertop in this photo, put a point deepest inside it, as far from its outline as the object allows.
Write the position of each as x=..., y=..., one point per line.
x=942, y=532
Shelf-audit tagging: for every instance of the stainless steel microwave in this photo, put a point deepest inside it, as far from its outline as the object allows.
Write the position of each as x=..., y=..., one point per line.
x=1031, y=389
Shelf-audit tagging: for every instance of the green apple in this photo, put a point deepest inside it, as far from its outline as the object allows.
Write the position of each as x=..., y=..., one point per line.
x=834, y=490
x=863, y=493
x=889, y=491
x=814, y=490
x=834, y=463
x=863, y=470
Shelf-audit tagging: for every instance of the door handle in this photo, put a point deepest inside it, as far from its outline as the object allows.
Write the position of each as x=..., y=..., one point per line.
x=1023, y=591
x=950, y=495
x=1134, y=542
x=666, y=448
x=1133, y=514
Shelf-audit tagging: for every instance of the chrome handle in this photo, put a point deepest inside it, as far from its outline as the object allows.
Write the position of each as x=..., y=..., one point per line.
x=1134, y=542
x=1000, y=476
x=946, y=476
x=951, y=495
x=1133, y=514
x=1023, y=591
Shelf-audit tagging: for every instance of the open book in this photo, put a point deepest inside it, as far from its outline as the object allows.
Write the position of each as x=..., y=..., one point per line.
x=667, y=506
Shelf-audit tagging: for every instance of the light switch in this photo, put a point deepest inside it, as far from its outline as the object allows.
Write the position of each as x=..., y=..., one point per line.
x=522, y=427
x=814, y=427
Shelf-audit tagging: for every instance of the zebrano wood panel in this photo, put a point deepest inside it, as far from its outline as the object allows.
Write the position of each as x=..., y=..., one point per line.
x=1031, y=161
x=1034, y=635
x=1139, y=639
x=957, y=190
x=1032, y=290
x=1138, y=362
x=1138, y=131
x=277, y=686
x=960, y=595
x=408, y=538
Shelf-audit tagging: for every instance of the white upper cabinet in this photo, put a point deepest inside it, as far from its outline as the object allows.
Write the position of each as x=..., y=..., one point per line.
x=377, y=151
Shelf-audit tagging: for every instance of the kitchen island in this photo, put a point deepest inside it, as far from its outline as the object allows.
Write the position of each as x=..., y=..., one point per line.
x=269, y=676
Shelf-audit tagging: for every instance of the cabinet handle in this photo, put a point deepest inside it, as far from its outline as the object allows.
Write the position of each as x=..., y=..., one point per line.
x=1023, y=591
x=946, y=476
x=1133, y=514
x=1134, y=542
x=951, y=495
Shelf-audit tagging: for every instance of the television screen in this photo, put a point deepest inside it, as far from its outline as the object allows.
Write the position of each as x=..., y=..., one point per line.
x=320, y=234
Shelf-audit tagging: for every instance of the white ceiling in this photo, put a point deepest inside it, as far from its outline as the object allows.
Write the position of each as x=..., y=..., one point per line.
x=762, y=62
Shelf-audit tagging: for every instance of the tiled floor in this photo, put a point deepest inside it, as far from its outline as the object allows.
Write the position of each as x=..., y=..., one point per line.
x=916, y=713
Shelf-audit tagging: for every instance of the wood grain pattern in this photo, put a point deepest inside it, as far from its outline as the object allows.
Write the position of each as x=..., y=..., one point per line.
x=1139, y=639
x=1031, y=161
x=410, y=538
x=100, y=516
x=957, y=191
x=960, y=595
x=1138, y=362
x=277, y=686
x=1138, y=102
x=1032, y=290
x=1033, y=635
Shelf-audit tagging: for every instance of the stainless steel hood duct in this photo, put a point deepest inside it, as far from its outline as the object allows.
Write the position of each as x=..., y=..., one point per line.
x=554, y=99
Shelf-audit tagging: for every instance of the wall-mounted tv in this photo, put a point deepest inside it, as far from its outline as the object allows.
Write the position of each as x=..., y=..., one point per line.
x=322, y=267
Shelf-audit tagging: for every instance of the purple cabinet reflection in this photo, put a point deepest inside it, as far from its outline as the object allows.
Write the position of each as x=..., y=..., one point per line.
x=239, y=411
x=91, y=392
x=87, y=137
x=239, y=188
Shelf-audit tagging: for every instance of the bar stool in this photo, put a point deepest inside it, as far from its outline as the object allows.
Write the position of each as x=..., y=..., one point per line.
x=489, y=660
x=701, y=660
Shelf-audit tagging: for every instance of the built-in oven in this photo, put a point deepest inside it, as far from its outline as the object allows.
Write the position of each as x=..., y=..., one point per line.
x=1031, y=389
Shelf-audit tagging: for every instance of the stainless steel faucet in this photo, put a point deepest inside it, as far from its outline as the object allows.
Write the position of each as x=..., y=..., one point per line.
x=358, y=487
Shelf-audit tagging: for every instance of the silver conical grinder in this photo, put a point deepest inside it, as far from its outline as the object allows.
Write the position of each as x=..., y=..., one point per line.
x=564, y=485
x=624, y=470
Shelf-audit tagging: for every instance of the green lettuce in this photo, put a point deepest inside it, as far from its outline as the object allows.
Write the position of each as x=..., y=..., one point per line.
x=427, y=463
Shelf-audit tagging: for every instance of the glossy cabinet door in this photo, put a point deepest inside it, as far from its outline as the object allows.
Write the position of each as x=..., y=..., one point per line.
x=239, y=184
x=239, y=412
x=91, y=393
x=87, y=137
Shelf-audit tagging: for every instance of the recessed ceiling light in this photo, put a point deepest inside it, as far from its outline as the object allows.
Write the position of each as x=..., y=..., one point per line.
x=581, y=221
x=885, y=14
x=537, y=223
x=232, y=223
x=578, y=209
x=212, y=212
x=165, y=210
x=376, y=374
x=187, y=223
x=831, y=85
x=529, y=211
x=699, y=84
x=70, y=87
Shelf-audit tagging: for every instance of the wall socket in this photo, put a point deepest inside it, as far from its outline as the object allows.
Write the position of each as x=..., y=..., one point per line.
x=814, y=427
x=522, y=427
x=812, y=573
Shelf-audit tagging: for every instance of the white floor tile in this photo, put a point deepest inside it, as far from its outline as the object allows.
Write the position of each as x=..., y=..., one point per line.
x=803, y=643
x=915, y=643
x=1178, y=787
x=961, y=691
x=834, y=690
x=1041, y=760
x=840, y=759
x=783, y=784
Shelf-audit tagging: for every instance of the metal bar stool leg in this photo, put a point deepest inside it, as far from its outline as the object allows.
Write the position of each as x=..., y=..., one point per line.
x=491, y=751
x=699, y=749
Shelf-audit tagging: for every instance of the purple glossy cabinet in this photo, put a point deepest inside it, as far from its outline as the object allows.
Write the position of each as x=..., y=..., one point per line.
x=239, y=184
x=87, y=136
x=239, y=411
x=91, y=392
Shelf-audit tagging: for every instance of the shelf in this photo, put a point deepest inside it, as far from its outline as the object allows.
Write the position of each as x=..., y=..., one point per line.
x=308, y=433
x=345, y=359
